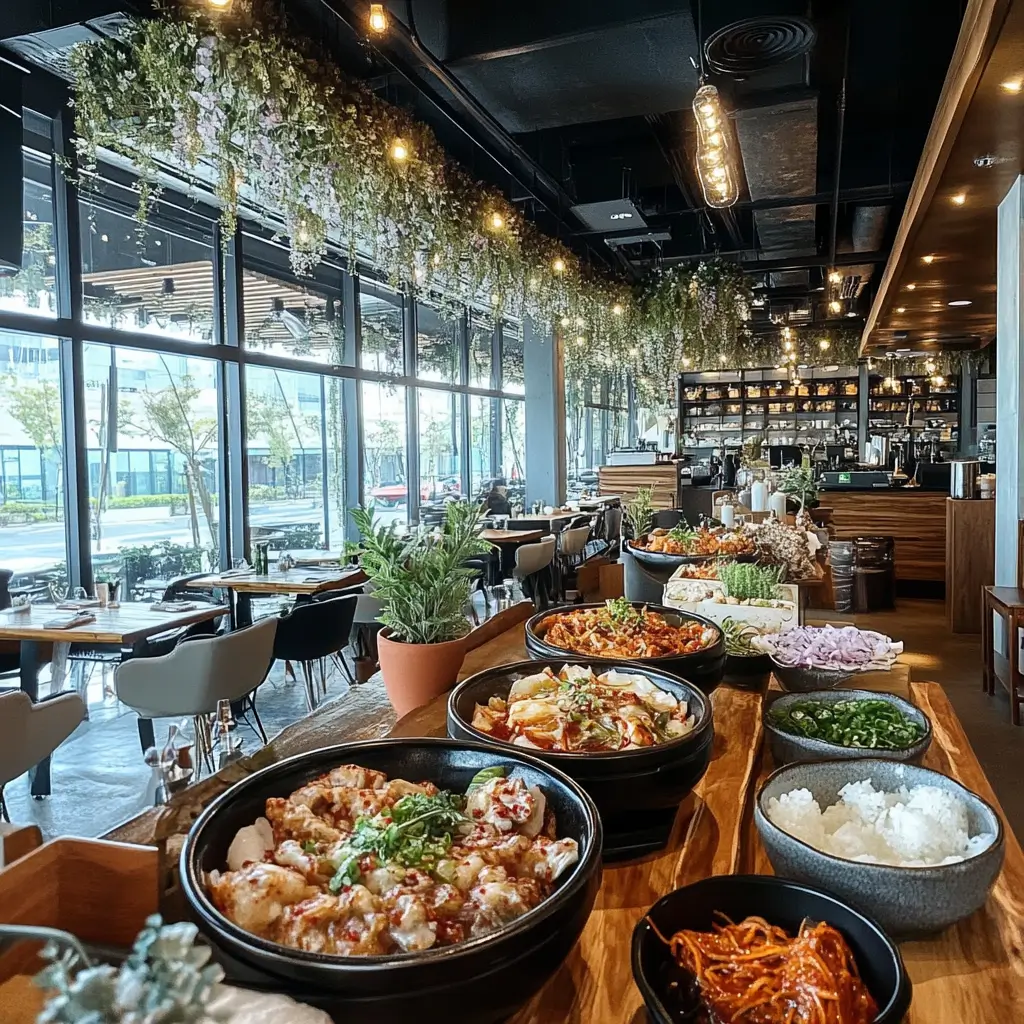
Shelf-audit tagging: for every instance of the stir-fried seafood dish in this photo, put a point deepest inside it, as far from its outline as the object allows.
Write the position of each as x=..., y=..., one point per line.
x=681, y=540
x=618, y=630
x=354, y=864
x=578, y=710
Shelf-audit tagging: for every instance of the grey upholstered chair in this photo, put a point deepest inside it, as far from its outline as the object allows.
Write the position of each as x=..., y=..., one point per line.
x=31, y=731
x=533, y=569
x=196, y=675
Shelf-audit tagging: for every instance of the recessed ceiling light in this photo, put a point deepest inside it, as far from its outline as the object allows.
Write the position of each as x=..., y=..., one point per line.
x=911, y=287
x=901, y=309
x=851, y=313
x=960, y=302
x=928, y=259
x=959, y=199
x=1012, y=85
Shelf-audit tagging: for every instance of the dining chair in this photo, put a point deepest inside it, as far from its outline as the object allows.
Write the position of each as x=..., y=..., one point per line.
x=572, y=547
x=31, y=731
x=194, y=676
x=533, y=570
x=312, y=632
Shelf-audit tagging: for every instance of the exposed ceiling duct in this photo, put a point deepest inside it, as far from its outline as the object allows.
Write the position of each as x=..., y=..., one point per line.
x=779, y=145
x=867, y=234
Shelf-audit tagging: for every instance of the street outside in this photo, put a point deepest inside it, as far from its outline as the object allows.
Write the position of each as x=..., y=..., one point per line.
x=37, y=546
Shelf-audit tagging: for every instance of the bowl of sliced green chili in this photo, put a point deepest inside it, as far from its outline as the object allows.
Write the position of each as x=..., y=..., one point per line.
x=845, y=724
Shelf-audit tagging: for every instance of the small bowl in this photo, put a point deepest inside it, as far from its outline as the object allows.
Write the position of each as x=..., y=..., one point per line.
x=780, y=902
x=905, y=901
x=631, y=788
x=485, y=980
x=748, y=671
x=703, y=668
x=805, y=678
x=787, y=747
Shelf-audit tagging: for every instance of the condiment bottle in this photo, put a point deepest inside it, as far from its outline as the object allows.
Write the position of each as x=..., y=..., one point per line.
x=728, y=513
x=758, y=496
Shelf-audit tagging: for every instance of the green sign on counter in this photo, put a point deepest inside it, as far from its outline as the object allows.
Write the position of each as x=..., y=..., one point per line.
x=844, y=478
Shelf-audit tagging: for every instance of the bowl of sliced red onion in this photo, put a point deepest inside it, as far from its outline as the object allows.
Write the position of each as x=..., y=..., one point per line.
x=822, y=657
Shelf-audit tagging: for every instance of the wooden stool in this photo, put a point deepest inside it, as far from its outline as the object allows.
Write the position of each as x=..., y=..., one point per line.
x=1008, y=604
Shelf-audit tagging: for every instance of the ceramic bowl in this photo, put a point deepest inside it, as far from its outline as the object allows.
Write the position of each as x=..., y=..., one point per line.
x=703, y=668
x=787, y=747
x=631, y=788
x=905, y=901
x=804, y=678
x=670, y=991
x=483, y=980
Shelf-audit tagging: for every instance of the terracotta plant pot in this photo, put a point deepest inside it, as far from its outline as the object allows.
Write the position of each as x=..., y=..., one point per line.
x=414, y=674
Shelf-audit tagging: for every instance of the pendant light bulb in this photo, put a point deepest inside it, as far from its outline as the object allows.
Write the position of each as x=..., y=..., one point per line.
x=399, y=151
x=716, y=169
x=378, y=19
x=558, y=265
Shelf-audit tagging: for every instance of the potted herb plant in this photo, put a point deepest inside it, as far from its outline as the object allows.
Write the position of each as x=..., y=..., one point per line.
x=423, y=585
x=798, y=483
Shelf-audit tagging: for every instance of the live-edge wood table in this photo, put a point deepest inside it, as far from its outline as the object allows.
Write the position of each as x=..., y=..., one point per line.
x=971, y=973
x=125, y=627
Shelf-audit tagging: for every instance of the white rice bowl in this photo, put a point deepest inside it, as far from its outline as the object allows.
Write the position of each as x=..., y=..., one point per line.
x=924, y=826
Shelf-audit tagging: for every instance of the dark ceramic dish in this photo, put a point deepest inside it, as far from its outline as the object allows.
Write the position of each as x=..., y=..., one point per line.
x=906, y=900
x=633, y=789
x=703, y=668
x=670, y=992
x=483, y=980
x=748, y=671
x=787, y=747
x=805, y=678
x=663, y=560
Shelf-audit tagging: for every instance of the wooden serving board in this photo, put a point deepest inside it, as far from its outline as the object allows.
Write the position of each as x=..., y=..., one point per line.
x=971, y=973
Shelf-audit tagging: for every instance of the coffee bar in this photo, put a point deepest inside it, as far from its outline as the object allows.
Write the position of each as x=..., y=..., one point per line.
x=511, y=513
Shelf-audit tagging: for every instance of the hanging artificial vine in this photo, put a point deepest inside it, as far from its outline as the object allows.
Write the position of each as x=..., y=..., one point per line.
x=231, y=96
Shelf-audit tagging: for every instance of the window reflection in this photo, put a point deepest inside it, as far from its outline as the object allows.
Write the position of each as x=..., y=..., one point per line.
x=31, y=462
x=513, y=448
x=31, y=289
x=145, y=279
x=483, y=421
x=380, y=314
x=481, y=334
x=152, y=433
x=437, y=345
x=440, y=442
x=384, y=467
x=512, y=378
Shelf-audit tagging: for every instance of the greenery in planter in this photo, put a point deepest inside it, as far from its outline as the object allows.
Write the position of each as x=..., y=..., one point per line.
x=421, y=580
x=639, y=512
x=747, y=581
x=798, y=483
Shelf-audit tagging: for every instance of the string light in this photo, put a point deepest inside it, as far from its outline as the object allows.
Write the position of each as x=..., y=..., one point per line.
x=378, y=19
x=617, y=309
x=835, y=277
x=558, y=265
x=399, y=151
x=497, y=221
x=835, y=306
x=824, y=344
x=714, y=167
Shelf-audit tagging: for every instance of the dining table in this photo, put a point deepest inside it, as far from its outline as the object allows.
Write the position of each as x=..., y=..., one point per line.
x=506, y=542
x=305, y=581
x=960, y=975
x=124, y=628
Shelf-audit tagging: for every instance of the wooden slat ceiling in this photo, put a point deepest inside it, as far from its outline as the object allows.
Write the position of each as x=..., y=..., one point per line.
x=945, y=250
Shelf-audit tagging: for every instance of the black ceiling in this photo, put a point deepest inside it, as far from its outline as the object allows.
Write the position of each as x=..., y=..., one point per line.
x=585, y=101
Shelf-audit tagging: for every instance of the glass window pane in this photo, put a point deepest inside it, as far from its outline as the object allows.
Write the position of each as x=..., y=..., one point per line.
x=440, y=439
x=384, y=469
x=285, y=458
x=513, y=448
x=152, y=433
x=512, y=379
x=293, y=320
x=481, y=333
x=31, y=290
x=150, y=280
x=31, y=463
x=380, y=314
x=483, y=417
x=438, y=345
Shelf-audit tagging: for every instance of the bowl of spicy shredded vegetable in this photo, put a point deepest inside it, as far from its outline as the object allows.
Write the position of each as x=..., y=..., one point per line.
x=755, y=949
x=842, y=725
x=682, y=643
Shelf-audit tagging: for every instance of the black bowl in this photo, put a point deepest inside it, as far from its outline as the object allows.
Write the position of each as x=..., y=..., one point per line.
x=670, y=991
x=748, y=671
x=636, y=791
x=703, y=668
x=484, y=980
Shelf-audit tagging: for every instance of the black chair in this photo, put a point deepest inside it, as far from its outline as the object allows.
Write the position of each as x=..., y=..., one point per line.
x=6, y=575
x=312, y=632
x=483, y=569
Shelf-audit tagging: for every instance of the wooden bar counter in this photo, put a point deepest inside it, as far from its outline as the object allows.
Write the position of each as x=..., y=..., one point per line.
x=971, y=972
x=661, y=477
x=915, y=519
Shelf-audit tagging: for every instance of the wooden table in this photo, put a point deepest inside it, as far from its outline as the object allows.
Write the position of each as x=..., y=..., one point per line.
x=507, y=542
x=304, y=581
x=125, y=628
x=1008, y=604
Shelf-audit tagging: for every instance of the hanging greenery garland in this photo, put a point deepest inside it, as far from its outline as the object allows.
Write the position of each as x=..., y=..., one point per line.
x=236, y=97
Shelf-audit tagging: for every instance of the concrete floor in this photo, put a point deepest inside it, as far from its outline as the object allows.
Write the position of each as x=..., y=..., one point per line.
x=100, y=780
